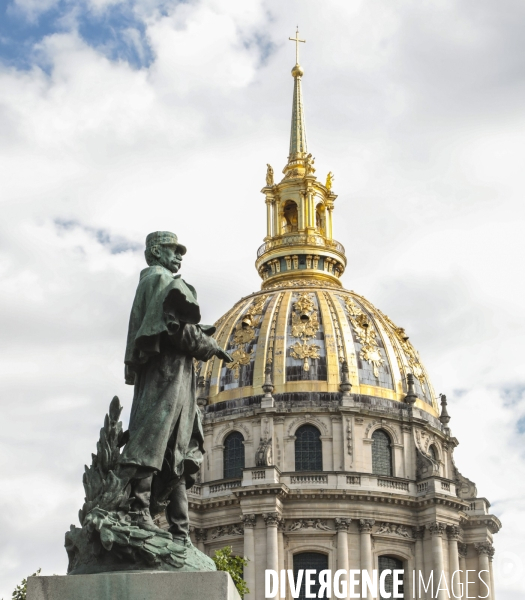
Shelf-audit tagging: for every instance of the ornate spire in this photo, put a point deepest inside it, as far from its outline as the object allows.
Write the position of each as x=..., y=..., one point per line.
x=298, y=148
x=299, y=243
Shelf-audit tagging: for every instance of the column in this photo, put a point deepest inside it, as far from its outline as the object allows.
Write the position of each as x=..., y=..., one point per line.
x=302, y=218
x=437, y=530
x=341, y=526
x=365, y=528
x=329, y=233
x=491, y=556
x=453, y=532
x=272, y=543
x=200, y=536
x=311, y=211
x=276, y=224
x=249, y=553
x=280, y=534
x=484, y=551
x=268, y=217
x=462, y=552
x=419, y=535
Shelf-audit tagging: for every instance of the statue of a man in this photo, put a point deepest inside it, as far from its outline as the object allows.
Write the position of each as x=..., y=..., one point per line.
x=165, y=445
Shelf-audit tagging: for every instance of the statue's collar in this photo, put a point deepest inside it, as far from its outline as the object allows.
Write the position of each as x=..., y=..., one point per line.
x=156, y=269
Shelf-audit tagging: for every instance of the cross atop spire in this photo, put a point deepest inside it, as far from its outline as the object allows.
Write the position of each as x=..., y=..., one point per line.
x=297, y=40
x=298, y=133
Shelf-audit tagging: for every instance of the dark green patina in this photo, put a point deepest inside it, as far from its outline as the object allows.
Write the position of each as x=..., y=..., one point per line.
x=163, y=447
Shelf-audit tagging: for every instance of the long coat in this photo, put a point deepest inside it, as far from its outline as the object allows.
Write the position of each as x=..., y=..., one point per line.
x=164, y=337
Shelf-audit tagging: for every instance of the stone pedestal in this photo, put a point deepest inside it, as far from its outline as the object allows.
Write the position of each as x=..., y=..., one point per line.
x=160, y=585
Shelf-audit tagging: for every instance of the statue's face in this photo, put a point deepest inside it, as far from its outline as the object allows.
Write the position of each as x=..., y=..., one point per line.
x=170, y=257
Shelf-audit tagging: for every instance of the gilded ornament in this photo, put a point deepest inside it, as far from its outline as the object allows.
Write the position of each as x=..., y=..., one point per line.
x=304, y=304
x=292, y=174
x=305, y=325
x=410, y=352
x=365, y=334
x=329, y=181
x=303, y=351
x=244, y=333
x=271, y=339
x=269, y=176
x=309, y=165
x=240, y=357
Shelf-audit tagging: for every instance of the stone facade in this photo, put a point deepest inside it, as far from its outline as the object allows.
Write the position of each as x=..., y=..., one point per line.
x=344, y=511
x=345, y=451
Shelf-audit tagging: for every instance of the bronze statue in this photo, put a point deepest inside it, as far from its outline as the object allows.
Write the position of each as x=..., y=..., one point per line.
x=163, y=447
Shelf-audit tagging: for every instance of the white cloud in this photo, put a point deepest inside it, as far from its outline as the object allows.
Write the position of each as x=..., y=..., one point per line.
x=417, y=110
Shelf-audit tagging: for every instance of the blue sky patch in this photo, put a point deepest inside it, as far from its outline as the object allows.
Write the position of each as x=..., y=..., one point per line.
x=116, y=244
x=116, y=32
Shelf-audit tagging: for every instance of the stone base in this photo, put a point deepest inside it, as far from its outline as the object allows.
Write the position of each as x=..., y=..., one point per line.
x=160, y=585
x=267, y=402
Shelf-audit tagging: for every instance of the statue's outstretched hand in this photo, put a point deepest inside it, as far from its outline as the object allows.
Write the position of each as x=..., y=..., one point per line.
x=223, y=355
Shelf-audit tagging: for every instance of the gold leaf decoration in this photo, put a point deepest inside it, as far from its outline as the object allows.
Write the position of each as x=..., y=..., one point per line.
x=305, y=325
x=304, y=351
x=244, y=333
x=365, y=334
x=240, y=357
x=410, y=352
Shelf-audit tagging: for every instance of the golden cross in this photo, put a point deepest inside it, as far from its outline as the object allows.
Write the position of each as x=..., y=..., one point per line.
x=297, y=40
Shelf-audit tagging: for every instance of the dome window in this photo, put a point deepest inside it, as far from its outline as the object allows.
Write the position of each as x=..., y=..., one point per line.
x=389, y=563
x=308, y=449
x=381, y=453
x=310, y=560
x=233, y=455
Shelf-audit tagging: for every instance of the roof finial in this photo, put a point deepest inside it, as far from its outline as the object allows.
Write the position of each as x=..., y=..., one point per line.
x=267, y=400
x=297, y=40
x=298, y=148
x=444, y=417
x=411, y=396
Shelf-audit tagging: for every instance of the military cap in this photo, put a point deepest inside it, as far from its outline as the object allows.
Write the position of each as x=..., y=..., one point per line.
x=164, y=238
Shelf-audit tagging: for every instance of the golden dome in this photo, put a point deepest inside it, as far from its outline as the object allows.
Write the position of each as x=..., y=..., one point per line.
x=305, y=330
x=303, y=324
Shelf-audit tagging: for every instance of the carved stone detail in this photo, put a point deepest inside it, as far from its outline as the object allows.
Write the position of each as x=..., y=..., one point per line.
x=264, y=454
x=365, y=525
x=342, y=524
x=384, y=528
x=485, y=548
x=271, y=519
x=437, y=528
x=402, y=531
x=453, y=532
x=320, y=524
x=223, y=530
x=249, y=521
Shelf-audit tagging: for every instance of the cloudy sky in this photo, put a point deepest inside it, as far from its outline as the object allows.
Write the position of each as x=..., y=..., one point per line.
x=121, y=117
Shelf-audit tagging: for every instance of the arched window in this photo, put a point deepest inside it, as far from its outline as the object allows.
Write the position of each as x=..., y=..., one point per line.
x=233, y=455
x=391, y=563
x=381, y=453
x=310, y=560
x=290, y=217
x=433, y=453
x=308, y=449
